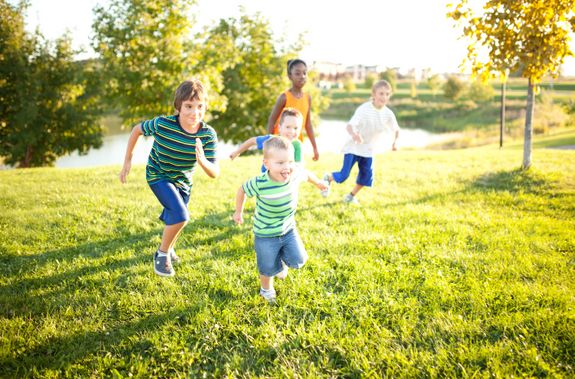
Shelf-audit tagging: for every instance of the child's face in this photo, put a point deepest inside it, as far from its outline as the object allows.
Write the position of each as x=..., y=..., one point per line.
x=298, y=75
x=192, y=112
x=279, y=163
x=381, y=96
x=290, y=127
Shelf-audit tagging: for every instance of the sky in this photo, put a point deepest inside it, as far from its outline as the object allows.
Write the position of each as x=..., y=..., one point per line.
x=405, y=34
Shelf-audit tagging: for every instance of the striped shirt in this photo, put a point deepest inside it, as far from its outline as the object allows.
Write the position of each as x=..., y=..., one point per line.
x=173, y=154
x=276, y=203
x=371, y=123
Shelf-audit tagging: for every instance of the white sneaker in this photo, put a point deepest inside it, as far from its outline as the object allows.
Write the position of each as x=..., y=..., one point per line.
x=268, y=295
x=350, y=199
x=284, y=273
x=325, y=193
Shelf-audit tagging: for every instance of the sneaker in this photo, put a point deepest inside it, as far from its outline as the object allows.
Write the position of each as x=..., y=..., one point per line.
x=325, y=193
x=162, y=266
x=350, y=199
x=175, y=259
x=268, y=295
x=284, y=273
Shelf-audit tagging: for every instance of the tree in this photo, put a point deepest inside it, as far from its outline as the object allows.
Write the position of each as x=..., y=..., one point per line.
x=146, y=53
x=391, y=76
x=453, y=87
x=253, y=79
x=48, y=102
x=527, y=36
x=434, y=84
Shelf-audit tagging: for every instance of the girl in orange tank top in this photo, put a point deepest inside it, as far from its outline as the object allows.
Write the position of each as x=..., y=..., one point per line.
x=296, y=98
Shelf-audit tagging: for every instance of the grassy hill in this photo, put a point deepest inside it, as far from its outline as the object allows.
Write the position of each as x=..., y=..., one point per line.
x=456, y=264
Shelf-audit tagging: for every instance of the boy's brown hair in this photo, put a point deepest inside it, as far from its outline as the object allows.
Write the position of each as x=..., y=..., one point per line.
x=290, y=112
x=189, y=90
x=381, y=83
x=276, y=143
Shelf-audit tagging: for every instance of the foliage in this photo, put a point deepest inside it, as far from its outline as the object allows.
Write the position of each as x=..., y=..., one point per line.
x=254, y=78
x=453, y=88
x=349, y=84
x=370, y=79
x=48, y=104
x=390, y=75
x=455, y=265
x=144, y=47
x=480, y=91
x=549, y=115
x=530, y=36
x=434, y=83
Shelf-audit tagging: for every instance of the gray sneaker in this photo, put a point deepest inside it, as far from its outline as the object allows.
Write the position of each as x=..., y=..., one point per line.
x=269, y=295
x=162, y=265
x=350, y=199
x=175, y=259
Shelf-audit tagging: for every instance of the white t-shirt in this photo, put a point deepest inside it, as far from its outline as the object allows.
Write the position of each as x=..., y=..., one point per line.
x=371, y=123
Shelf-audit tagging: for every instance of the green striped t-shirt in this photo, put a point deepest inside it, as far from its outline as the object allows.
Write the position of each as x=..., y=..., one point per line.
x=276, y=203
x=173, y=154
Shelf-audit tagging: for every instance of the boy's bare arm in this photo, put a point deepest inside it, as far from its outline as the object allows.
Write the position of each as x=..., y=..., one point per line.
x=394, y=145
x=132, y=141
x=354, y=135
x=312, y=178
x=243, y=147
x=210, y=168
x=240, y=201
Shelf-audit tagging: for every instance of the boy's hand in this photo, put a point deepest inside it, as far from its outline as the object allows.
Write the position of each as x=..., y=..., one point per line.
x=238, y=218
x=394, y=147
x=322, y=185
x=125, y=171
x=234, y=154
x=357, y=138
x=199, y=150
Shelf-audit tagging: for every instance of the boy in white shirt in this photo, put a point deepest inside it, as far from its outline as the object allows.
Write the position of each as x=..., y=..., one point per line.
x=369, y=122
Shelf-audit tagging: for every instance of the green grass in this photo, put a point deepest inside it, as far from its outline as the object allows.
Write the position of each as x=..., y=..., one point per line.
x=456, y=264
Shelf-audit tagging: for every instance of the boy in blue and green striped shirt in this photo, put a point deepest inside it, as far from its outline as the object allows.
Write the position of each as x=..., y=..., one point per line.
x=180, y=142
x=277, y=242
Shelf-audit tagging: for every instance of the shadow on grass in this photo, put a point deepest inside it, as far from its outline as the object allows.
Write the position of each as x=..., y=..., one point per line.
x=515, y=181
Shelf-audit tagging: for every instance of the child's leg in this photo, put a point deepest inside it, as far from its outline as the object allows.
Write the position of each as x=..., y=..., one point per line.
x=170, y=235
x=293, y=251
x=268, y=259
x=341, y=175
x=365, y=175
x=175, y=214
x=266, y=282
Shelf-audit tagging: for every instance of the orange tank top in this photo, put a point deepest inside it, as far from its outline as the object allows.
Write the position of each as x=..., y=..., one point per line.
x=301, y=104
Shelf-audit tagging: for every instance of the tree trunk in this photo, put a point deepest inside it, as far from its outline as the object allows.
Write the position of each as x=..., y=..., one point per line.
x=528, y=126
x=502, y=114
x=26, y=161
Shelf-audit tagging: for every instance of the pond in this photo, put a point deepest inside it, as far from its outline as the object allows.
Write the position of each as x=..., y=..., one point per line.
x=331, y=136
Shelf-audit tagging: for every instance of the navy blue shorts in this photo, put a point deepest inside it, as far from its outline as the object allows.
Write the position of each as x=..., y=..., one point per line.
x=174, y=200
x=365, y=165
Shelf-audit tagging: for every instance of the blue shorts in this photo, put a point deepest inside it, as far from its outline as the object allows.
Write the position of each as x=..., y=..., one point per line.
x=270, y=251
x=174, y=200
x=365, y=165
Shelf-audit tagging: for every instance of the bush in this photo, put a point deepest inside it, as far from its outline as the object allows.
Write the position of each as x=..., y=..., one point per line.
x=548, y=115
x=480, y=92
x=453, y=88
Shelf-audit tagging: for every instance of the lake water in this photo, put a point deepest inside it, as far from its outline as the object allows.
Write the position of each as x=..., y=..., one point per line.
x=331, y=136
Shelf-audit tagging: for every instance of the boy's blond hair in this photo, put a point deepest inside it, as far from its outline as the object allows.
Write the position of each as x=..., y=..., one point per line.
x=290, y=112
x=191, y=89
x=379, y=84
x=276, y=143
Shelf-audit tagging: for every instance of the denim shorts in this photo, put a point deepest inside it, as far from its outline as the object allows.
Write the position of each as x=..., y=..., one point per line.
x=271, y=251
x=174, y=200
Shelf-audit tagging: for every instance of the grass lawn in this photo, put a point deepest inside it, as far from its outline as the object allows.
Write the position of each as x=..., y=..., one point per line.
x=456, y=264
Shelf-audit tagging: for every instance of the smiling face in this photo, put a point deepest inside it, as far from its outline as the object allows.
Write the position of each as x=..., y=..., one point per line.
x=381, y=94
x=279, y=163
x=290, y=127
x=192, y=113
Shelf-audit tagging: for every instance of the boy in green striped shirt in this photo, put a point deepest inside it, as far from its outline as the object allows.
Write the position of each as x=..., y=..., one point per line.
x=277, y=242
x=181, y=142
